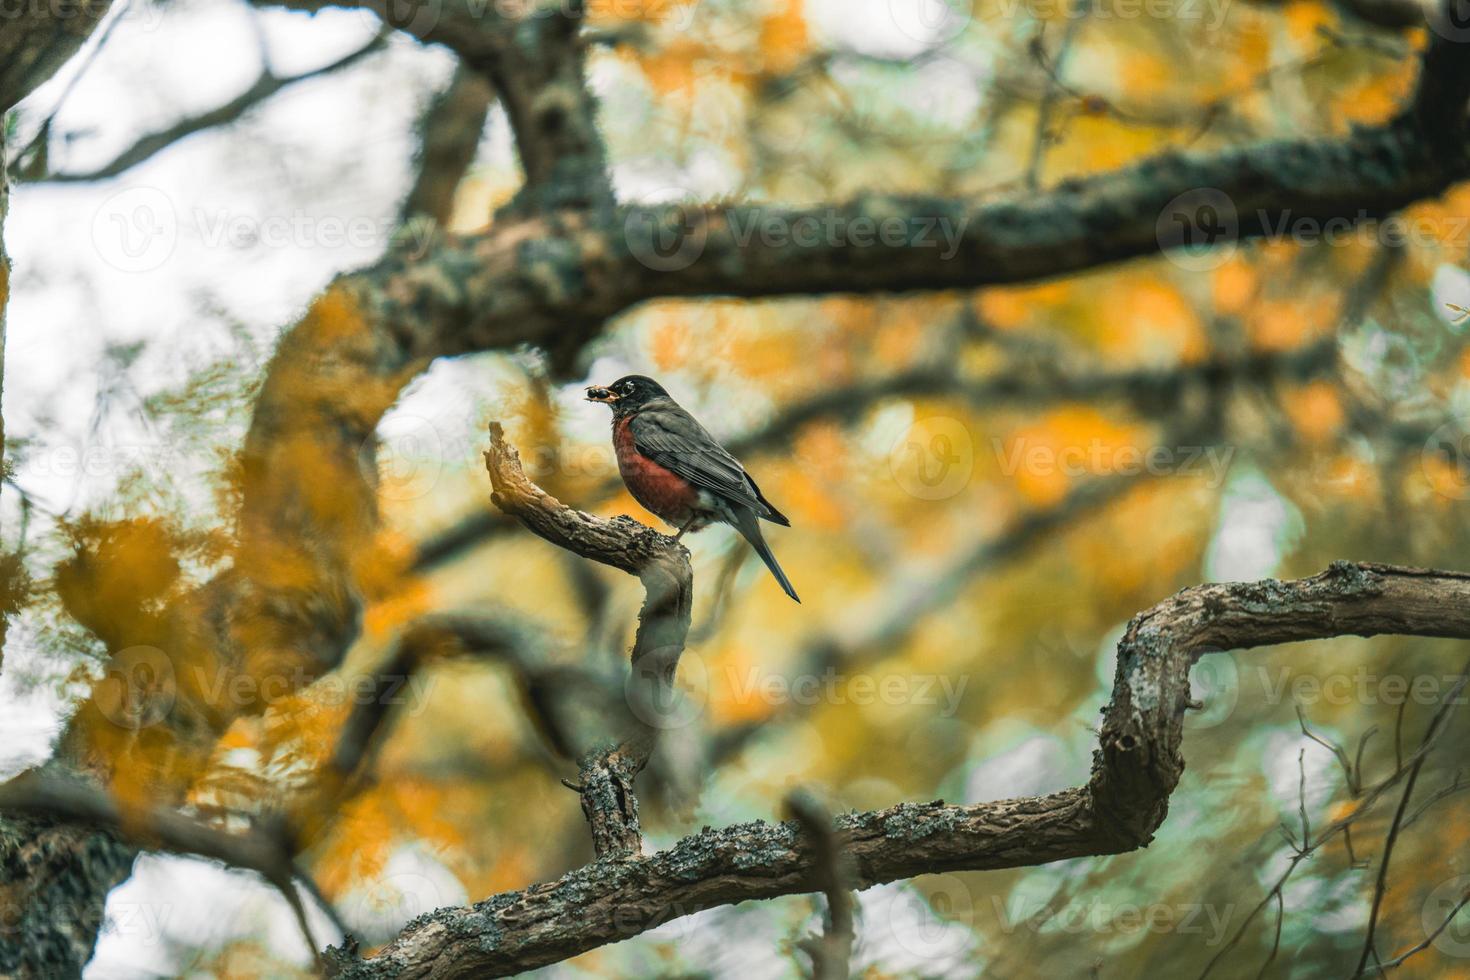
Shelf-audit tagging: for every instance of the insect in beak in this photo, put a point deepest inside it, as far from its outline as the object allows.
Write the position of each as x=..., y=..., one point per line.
x=598, y=394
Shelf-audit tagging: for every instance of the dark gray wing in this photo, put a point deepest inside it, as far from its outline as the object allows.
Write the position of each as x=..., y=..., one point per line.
x=672, y=438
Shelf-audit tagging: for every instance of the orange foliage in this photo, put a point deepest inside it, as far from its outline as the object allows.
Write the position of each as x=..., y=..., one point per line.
x=673, y=68
x=1377, y=98
x=1235, y=283
x=1305, y=20
x=783, y=37
x=1284, y=323
x=1015, y=307
x=1149, y=315
x=1064, y=445
x=1314, y=409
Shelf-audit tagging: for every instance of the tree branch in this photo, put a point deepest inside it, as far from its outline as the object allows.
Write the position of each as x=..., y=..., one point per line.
x=830, y=952
x=144, y=148
x=449, y=135
x=37, y=40
x=1135, y=769
x=265, y=851
x=662, y=564
x=533, y=55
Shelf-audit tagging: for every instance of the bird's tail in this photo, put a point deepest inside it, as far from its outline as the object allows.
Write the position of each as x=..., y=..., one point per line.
x=749, y=525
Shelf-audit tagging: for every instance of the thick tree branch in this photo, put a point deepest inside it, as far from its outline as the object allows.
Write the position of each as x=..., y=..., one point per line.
x=533, y=55
x=830, y=952
x=1135, y=769
x=55, y=875
x=266, y=850
x=37, y=40
x=449, y=135
x=662, y=564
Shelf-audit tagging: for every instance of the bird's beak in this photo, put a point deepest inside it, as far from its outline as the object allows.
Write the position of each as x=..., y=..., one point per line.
x=599, y=394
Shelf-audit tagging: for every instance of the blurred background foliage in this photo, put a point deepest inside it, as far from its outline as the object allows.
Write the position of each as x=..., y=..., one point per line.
x=1307, y=400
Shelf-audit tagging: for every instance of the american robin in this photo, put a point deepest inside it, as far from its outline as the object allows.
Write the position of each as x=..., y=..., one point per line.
x=678, y=471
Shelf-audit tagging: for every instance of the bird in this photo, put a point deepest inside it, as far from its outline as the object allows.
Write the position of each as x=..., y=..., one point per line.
x=677, y=470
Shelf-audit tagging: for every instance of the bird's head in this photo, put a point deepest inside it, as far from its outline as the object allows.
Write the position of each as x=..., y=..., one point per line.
x=627, y=394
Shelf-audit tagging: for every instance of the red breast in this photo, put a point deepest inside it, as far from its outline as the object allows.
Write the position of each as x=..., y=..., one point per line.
x=662, y=491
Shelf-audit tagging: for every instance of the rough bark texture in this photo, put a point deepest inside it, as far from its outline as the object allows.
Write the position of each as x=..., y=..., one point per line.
x=662, y=564
x=54, y=880
x=548, y=273
x=1135, y=769
x=38, y=38
x=449, y=136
